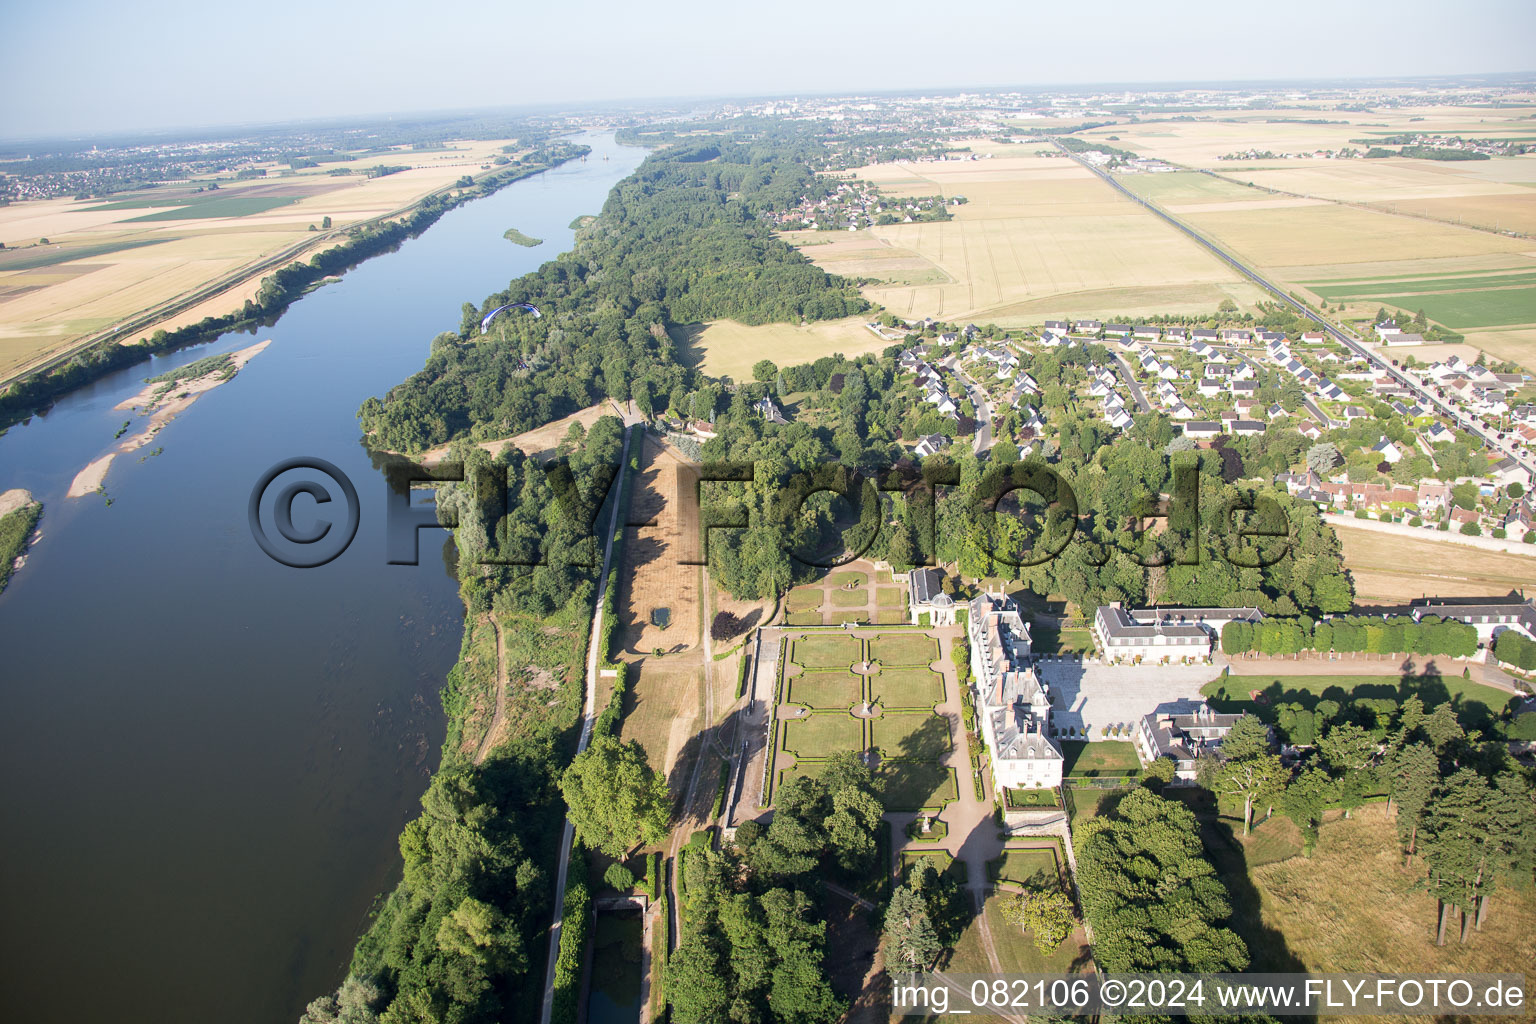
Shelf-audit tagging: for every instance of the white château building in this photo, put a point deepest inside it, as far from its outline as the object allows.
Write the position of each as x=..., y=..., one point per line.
x=1013, y=704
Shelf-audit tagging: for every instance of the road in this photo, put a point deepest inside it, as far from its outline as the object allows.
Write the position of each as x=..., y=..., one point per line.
x=588, y=716
x=1347, y=339
x=983, y=440
x=1130, y=380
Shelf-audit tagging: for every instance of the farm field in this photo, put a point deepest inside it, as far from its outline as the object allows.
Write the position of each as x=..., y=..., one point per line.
x=1518, y=345
x=1036, y=238
x=1389, y=569
x=106, y=261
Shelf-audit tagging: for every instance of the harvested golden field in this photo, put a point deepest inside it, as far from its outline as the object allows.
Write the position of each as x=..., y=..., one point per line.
x=1517, y=345
x=106, y=261
x=1389, y=569
x=725, y=348
x=1295, y=242
x=1037, y=237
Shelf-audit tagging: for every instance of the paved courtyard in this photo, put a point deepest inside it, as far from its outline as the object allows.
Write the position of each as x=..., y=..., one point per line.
x=1088, y=695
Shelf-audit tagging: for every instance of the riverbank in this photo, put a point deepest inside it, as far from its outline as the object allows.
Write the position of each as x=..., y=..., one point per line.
x=288, y=277
x=19, y=513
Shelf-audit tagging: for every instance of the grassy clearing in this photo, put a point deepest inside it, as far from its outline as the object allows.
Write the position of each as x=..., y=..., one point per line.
x=912, y=737
x=1353, y=906
x=1033, y=868
x=907, y=688
x=904, y=649
x=822, y=734
x=1015, y=948
x=725, y=348
x=1049, y=640
x=826, y=651
x=826, y=690
x=1099, y=757
x=917, y=785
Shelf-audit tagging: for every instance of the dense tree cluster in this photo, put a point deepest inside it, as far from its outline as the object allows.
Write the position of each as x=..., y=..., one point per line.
x=678, y=242
x=1153, y=900
x=1352, y=634
x=753, y=945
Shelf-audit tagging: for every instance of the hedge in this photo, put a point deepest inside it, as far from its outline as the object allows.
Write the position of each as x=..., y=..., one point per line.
x=573, y=939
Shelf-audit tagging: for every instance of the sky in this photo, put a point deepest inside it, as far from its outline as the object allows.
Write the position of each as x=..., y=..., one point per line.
x=78, y=66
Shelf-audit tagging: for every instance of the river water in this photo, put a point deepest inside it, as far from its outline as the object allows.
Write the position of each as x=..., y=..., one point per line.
x=207, y=755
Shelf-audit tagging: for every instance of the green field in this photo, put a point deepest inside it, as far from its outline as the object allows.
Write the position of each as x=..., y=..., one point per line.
x=826, y=651
x=840, y=690
x=231, y=207
x=1099, y=757
x=904, y=649
x=890, y=597
x=912, y=737
x=850, y=598
x=1034, y=868
x=916, y=785
x=1376, y=286
x=822, y=734
x=50, y=255
x=1491, y=308
x=907, y=688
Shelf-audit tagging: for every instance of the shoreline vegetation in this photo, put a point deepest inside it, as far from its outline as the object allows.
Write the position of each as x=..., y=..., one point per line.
x=586, y=220
x=19, y=515
x=36, y=391
x=516, y=237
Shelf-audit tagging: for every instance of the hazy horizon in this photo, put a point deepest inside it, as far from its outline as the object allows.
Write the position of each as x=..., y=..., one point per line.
x=149, y=68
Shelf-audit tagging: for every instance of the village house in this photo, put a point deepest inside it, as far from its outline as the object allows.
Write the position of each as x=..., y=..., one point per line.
x=1202, y=428
x=1489, y=618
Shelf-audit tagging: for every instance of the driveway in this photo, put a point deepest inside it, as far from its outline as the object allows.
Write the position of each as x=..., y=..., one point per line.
x=1089, y=696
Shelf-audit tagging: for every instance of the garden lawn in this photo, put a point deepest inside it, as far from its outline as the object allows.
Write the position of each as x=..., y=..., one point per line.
x=904, y=649
x=840, y=690
x=1033, y=868
x=826, y=651
x=804, y=598
x=907, y=688
x=919, y=736
x=917, y=785
x=1099, y=757
x=822, y=734
x=850, y=598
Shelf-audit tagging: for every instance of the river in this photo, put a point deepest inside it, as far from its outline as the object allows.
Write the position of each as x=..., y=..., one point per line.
x=207, y=755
